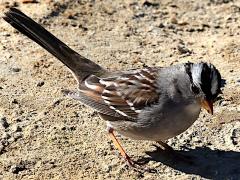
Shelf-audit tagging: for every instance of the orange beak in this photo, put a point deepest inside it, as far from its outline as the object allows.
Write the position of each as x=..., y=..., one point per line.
x=208, y=105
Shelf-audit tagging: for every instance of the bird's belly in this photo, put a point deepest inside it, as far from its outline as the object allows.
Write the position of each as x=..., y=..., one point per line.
x=162, y=128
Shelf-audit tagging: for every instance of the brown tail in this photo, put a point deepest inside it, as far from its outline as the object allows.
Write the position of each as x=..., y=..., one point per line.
x=79, y=65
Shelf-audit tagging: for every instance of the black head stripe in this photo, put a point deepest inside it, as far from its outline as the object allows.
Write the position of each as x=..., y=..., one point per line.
x=210, y=81
x=188, y=70
x=216, y=82
x=205, y=77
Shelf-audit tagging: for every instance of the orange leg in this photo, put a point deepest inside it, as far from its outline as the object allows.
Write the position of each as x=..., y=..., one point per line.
x=119, y=147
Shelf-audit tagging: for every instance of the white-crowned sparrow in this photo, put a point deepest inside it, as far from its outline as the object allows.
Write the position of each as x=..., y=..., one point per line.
x=154, y=103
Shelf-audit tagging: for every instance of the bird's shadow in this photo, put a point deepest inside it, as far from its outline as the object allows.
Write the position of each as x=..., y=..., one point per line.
x=202, y=161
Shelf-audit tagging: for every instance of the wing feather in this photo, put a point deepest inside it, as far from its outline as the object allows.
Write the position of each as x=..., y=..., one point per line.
x=120, y=96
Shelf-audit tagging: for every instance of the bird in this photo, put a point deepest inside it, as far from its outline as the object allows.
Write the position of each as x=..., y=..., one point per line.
x=150, y=103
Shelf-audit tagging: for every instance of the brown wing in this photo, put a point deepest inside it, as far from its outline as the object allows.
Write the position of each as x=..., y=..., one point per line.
x=122, y=96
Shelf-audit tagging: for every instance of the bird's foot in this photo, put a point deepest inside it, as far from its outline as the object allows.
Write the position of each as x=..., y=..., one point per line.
x=139, y=166
x=165, y=146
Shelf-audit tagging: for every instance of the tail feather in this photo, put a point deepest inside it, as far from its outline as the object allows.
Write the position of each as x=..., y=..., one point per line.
x=79, y=65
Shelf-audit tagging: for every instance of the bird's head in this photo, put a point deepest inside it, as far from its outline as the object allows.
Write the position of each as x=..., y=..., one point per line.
x=205, y=83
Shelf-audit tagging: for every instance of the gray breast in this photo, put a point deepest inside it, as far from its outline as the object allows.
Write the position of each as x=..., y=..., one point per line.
x=160, y=122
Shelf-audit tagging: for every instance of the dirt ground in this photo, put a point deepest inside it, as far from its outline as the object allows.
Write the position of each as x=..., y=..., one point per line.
x=45, y=135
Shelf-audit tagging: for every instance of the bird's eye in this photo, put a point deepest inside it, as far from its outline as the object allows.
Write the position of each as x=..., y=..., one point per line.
x=195, y=89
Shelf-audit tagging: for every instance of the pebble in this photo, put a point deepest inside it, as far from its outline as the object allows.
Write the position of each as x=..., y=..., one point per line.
x=150, y=3
x=56, y=102
x=138, y=15
x=4, y=123
x=17, y=136
x=4, y=142
x=183, y=50
x=183, y=23
x=236, y=136
x=238, y=81
x=161, y=25
x=16, y=128
x=174, y=20
x=107, y=168
x=223, y=103
x=15, y=69
x=1, y=149
x=5, y=136
x=40, y=83
x=29, y=1
x=14, y=101
x=5, y=34
x=15, y=169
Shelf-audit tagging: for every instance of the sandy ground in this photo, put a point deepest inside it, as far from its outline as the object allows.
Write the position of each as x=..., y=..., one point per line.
x=45, y=135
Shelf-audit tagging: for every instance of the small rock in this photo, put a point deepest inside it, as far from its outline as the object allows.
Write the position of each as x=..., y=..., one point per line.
x=17, y=136
x=74, y=24
x=83, y=27
x=4, y=123
x=18, y=120
x=71, y=16
x=8, y=56
x=14, y=101
x=161, y=25
x=1, y=149
x=5, y=34
x=107, y=168
x=56, y=102
x=72, y=128
x=150, y=3
x=190, y=29
x=40, y=83
x=183, y=23
x=29, y=1
x=171, y=26
x=223, y=103
x=109, y=10
x=4, y=142
x=63, y=128
x=183, y=50
x=16, y=128
x=139, y=15
x=174, y=20
x=10, y=140
x=15, y=69
x=236, y=136
x=15, y=169
x=5, y=136
x=238, y=81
